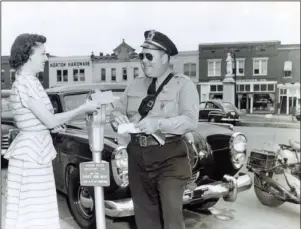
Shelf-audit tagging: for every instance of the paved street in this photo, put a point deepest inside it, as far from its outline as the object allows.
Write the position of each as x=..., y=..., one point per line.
x=245, y=213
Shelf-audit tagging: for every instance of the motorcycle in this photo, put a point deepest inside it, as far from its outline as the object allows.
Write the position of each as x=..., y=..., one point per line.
x=277, y=174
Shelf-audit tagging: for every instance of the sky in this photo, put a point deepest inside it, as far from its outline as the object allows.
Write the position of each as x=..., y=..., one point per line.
x=78, y=28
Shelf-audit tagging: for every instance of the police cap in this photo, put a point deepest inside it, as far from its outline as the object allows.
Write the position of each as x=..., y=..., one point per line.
x=159, y=40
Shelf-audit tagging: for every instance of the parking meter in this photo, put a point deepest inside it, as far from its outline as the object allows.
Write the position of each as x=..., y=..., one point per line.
x=96, y=173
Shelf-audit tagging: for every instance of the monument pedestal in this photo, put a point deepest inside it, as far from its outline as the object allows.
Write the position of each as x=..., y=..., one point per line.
x=229, y=89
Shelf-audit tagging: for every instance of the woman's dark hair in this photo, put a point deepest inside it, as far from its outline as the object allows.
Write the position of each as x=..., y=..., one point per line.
x=22, y=49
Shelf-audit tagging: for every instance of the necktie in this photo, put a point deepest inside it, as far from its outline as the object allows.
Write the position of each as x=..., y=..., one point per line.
x=152, y=87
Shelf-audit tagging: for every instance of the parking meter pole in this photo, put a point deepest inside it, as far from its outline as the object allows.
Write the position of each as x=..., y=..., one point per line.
x=95, y=124
x=97, y=172
x=98, y=191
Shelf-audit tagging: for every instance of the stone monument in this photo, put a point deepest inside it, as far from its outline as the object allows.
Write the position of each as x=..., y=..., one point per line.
x=228, y=82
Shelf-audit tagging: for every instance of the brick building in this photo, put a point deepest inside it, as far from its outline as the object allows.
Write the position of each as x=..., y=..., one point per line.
x=123, y=65
x=8, y=74
x=259, y=69
x=288, y=71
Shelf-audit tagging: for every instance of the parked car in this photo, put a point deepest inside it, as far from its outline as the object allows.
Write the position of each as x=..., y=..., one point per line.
x=218, y=154
x=218, y=111
x=6, y=124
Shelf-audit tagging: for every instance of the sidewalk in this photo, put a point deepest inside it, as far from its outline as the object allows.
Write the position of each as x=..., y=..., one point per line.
x=66, y=220
x=269, y=120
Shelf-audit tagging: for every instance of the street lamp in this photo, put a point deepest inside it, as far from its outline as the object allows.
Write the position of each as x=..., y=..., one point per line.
x=235, y=84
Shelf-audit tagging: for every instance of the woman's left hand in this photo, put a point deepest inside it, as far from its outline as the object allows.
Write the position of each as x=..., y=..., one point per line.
x=58, y=129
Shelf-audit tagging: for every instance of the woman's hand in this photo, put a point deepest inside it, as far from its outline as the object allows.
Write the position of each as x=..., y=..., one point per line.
x=91, y=106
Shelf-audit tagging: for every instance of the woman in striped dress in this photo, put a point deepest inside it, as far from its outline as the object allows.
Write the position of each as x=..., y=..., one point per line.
x=31, y=192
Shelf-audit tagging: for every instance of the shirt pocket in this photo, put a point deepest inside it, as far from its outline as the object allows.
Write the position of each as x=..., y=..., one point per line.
x=134, y=100
x=167, y=103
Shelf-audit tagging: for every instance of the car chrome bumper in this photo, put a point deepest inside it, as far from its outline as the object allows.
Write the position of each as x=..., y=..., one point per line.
x=231, y=119
x=227, y=189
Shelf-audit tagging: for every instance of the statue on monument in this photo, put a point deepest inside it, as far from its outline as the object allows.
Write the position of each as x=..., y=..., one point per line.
x=229, y=65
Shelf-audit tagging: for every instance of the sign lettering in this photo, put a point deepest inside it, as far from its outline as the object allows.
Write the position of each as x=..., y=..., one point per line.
x=94, y=174
x=70, y=64
x=241, y=80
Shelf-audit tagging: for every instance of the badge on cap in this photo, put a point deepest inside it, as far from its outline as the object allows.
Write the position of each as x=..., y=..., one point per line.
x=151, y=35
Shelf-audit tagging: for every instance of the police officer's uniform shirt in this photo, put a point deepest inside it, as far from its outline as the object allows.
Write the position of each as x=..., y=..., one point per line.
x=176, y=105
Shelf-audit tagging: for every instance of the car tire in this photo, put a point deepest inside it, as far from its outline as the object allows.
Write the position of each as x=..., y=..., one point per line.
x=264, y=197
x=85, y=217
x=212, y=119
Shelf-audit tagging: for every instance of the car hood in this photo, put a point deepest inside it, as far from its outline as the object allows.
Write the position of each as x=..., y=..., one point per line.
x=207, y=129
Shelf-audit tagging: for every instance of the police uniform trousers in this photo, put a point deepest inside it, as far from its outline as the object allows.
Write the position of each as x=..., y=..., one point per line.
x=157, y=178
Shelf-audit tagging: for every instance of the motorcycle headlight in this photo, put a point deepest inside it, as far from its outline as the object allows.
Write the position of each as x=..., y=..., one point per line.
x=120, y=166
x=238, y=146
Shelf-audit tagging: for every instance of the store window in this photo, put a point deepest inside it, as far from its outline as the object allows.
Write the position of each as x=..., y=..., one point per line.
x=214, y=67
x=264, y=87
x=243, y=88
x=260, y=66
x=113, y=74
x=216, y=88
x=124, y=74
x=190, y=69
x=264, y=103
x=240, y=67
x=103, y=74
x=216, y=91
x=82, y=76
x=136, y=72
x=62, y=75
x=2, y=76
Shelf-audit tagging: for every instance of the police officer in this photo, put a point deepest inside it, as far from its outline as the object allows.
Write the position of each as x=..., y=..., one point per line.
x=158, y=173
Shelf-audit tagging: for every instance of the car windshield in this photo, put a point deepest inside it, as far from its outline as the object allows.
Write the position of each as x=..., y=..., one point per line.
x=73, y=101
x=229, y=106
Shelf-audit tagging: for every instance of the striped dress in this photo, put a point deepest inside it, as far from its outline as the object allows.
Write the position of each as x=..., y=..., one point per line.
x=31, y=192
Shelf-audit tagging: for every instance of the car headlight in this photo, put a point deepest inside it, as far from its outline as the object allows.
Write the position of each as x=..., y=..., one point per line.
x=238, y=142
x=120, y=166
x=238, y=146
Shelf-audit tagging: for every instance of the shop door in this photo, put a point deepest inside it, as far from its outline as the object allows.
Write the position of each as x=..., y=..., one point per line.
x=283, y=102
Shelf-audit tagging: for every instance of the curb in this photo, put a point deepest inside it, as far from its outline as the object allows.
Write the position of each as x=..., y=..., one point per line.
x=269, y=124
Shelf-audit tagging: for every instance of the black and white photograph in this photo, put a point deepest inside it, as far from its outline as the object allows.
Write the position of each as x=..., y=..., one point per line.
x=150, y=115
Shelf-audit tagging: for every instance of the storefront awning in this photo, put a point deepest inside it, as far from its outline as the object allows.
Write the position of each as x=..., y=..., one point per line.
x=288, y=66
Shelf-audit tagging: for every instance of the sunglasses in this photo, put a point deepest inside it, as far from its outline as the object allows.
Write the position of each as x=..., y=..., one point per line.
x=147, y=55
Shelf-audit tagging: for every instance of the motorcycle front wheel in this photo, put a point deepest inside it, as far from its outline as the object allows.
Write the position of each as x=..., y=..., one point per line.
x=261, y=190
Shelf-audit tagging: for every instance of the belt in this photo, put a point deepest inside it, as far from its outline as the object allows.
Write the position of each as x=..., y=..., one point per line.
x=148, y=140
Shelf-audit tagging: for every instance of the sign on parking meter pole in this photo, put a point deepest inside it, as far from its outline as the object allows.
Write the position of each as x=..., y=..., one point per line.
x=96, y=173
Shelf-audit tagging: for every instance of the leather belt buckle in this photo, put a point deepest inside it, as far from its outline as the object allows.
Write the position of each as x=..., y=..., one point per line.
x=143, y=141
